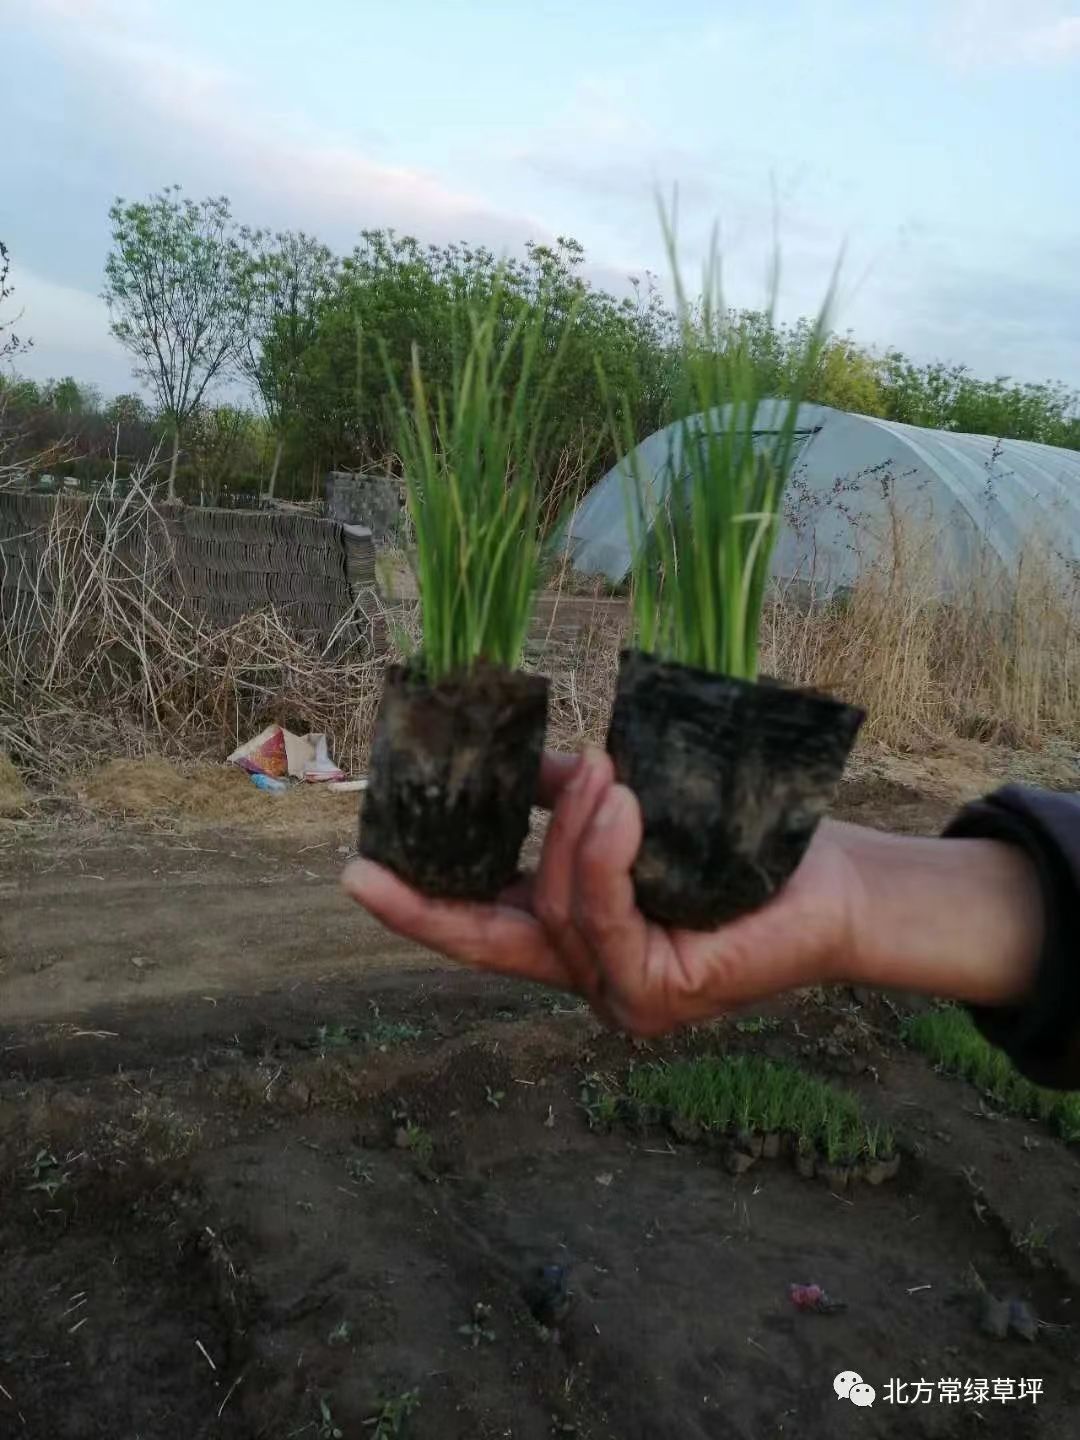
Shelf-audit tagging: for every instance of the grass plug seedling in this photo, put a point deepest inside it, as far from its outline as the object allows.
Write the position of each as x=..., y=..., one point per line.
x=460, y=732
x=745, y=1100
x=732, y=772
x=948, y=1036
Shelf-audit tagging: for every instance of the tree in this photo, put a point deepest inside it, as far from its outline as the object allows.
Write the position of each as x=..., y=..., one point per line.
x=393, y=293
x=10, y=344
x=292, y=279
x=178, y=288
x=128, y=409
x=67, y=397
x=224, y=446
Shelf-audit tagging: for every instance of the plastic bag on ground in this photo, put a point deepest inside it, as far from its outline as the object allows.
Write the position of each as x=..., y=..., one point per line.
x=321, y=768
x=264, y=755
x=278, y=752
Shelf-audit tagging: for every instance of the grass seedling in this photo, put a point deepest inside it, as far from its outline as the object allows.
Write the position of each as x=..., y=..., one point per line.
x=47, y=1175
x=722, y=1093
x=772, y=1100
x=757, y=1025
x=949, y=1038
x=327, y=1428
x=479, y=1328
x=419, y=1142
x=833, y=1135
x=599, y=1104
x=704, y=538
x=1033, y=1240
x=384, y=1034
x=334, y=1037
x=389, y=1423
x=469, y=460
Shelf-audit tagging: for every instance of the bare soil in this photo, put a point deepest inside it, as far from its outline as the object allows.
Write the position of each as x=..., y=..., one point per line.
x=260, y=1163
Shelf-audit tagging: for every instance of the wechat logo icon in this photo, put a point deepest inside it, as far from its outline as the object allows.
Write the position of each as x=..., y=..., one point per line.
x=850, y=1386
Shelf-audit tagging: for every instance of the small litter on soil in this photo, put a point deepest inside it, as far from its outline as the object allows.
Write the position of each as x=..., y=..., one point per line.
x=814, y=1298
x=999, y=1318
x=278, y=753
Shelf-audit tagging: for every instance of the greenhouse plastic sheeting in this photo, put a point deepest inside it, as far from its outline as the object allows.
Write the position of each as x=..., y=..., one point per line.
x=856, y=478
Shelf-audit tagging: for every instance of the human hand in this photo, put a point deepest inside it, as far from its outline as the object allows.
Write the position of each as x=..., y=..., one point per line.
x=574, y=924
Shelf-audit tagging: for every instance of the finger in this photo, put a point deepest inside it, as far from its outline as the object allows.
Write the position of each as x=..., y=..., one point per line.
x=492, y=937
x=606, y=913
x=556, y=772
x=553, y=887
x=518, y=894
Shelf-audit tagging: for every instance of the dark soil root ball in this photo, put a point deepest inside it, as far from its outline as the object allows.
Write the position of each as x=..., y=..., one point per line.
x=733, y=777
x=453, y=775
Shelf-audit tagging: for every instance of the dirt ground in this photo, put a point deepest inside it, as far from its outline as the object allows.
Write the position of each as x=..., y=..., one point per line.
x=260, y=1164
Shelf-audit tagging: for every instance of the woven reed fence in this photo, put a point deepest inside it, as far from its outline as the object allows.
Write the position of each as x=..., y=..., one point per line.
x=218, y=564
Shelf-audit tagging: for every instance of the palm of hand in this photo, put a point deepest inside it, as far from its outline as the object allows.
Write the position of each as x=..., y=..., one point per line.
x=574, y=923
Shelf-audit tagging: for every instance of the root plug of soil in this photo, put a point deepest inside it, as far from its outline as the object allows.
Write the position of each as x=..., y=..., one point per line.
x=453, y=776
x=732, y=776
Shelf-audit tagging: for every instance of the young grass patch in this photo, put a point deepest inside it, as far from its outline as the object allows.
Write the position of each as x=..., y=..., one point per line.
x=948, y=1036
x=381, y=1034
x=724, y=1093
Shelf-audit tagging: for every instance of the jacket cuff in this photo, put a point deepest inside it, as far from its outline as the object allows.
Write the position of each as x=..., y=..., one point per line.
x=1041, y=1035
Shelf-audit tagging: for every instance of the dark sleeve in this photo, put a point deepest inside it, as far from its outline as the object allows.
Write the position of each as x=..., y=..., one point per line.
x=1042, y=1035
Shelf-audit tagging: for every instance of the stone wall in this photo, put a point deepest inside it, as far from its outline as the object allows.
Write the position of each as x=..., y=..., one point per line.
x=374, y=501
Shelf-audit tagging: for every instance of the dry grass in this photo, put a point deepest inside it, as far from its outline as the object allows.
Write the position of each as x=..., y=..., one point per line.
x=97, y=664
x=180, y=793
x=994, y=660
x=13, y=793
x=96, y=660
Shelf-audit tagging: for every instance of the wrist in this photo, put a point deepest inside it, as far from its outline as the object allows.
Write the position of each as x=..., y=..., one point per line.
x=956, y=918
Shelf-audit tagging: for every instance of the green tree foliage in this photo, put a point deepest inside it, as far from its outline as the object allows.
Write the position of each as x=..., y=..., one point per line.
x=943, y=397
x=949, y=397
x=128, y=409
x=293, y=279
x=68, y=397
x=393, y=293
x=322, y=341
x=224, y=448
x=178, y=286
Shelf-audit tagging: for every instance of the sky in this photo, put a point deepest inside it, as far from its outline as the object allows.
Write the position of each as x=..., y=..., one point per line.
x=933, y=142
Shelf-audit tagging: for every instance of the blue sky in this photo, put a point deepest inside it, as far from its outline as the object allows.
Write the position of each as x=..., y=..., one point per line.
x=937, y=141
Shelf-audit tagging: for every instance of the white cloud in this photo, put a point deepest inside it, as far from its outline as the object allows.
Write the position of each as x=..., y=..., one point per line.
x=169, y=113
x=209, y=108
x=1057, y=41
x=70, y=331
x=1012, y=32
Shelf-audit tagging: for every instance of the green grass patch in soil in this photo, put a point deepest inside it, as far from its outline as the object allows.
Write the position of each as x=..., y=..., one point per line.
x=381, y=1034
x=948, y=1036
x=722, y=1094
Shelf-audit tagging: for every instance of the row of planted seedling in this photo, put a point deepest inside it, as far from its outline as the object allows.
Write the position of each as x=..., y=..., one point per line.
x=757, y=1108
x=948, y=1036
x=732, y=774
